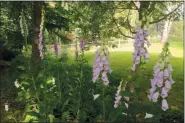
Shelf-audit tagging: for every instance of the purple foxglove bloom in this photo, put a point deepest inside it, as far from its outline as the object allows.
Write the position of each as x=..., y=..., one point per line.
x=166, y=74
x=137, y=61
x=159, y=82
x=162, y=65
x=56, y=48
x=157, y=66
x=105, y=78
x=160, y=74
x=82, y=45
x=134, y=67
x=157, y=71
x=139, y=47
x=153, y=82
x=146, y=33
x=152, y=90
x=101, y=64
x=167, y=85
x=150, y=97
x=155, y=96
x=142, y=52
x=171, y=80
x=147, y=56
x=164, y=93
x=148, y=43
x=164, y=105
x=170, y=68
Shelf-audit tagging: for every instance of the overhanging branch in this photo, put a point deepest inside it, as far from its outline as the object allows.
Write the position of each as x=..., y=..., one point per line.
x=165, y=16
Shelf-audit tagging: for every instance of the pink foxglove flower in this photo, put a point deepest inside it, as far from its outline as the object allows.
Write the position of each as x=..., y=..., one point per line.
x=166, y=73
x=101, y=65
x=164, y=93
x=153, y=82
x=155, y=96
x=56, y=48
x=162, y=77
x=82, y=45
x=40, y=45
x=164, y=105
x=121, y=87
x=170, y=68
x=159, y=82
x=167, y=85
x=139, y=47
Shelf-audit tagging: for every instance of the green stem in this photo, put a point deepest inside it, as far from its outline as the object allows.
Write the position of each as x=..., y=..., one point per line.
x=37, y=96
x=59, y=85
x=103, y=103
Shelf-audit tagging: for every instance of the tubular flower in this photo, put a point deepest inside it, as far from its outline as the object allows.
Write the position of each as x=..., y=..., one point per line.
x=118, y=97
x=162, y=77
x=101, y=65
x=23, y=25
x=40, y=46
x=82, y=45
x=6, y=107
x=56, y=48
x=140, y=49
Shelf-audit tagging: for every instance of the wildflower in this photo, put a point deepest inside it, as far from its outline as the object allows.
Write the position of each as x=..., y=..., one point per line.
x=124, y=113
x=126, y=98
x=134, y=67
x=82, y=45
x=164, y=105
x=159, y=82
x=166, y=73
x=170, y=68
x=148, y=115
x=164, y=93
x=162, y=77
x=40, y=46
x=96, y=96
x=6, y=107
x=126, y=105
x=121, y=87
x=167, y=85
x=53, y=80
x=153, y=82
x=16, y=83
x=101, y=65
x=139, y=48
x=56, y=48
x=155, y=96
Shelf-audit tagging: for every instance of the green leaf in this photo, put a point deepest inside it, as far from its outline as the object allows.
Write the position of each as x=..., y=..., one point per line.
x=51, y=118
x=83, y=116
x=137, y=90
x=21, y=67
x=65, y=115
x=126, y=93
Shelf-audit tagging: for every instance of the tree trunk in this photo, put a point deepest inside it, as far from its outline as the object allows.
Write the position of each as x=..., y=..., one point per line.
x=166, y=31
x=35, y=57
x=166, y=28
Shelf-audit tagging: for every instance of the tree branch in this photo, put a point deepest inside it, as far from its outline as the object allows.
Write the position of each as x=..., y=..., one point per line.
x=165, y=16
x=129, y=25
x=119, y=28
